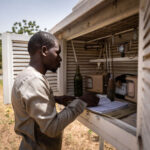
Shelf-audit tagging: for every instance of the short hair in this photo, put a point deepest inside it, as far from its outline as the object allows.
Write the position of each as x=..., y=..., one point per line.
x=40, y=39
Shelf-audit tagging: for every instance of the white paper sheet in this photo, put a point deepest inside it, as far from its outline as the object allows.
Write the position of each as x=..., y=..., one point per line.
x=106, y=105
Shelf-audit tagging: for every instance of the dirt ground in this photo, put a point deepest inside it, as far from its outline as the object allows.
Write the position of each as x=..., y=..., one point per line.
x=76, y=135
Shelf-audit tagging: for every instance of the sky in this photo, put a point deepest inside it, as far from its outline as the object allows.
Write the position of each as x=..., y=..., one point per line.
x=46, y=13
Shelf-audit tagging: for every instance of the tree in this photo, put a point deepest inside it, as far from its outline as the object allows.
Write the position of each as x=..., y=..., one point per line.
x=26, y=27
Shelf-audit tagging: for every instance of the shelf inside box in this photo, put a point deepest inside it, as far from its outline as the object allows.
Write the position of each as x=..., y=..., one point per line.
x=115, y=59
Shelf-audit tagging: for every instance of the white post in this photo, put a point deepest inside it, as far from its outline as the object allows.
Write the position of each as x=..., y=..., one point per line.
x=7, y=65
x=101, y=143
x=62, y=70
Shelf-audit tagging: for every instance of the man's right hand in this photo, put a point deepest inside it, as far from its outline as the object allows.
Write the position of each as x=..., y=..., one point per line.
x=91, y=99
x=64, y=100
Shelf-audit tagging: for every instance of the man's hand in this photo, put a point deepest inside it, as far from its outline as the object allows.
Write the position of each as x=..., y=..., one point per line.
x=90, y=98
x=64, y=100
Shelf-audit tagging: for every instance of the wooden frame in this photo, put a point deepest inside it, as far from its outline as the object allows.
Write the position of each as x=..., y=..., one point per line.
x=119, y=134
x=7, y=63
x=92, y=21
x=75, y=15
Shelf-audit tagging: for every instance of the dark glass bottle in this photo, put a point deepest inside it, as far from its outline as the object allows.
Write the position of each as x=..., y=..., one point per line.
x=78, y=87
x=111, y=88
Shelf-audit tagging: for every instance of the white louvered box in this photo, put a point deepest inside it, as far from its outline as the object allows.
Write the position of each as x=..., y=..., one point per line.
x=90, y=23
x=15, y=58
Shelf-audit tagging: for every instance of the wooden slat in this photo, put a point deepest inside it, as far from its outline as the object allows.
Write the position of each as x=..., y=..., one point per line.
x=147, y=28
x=19, y=48
x=20, y=64
x=146, y=64
x=20, y=53
x=21, y=56
x=19, y=45
x=147, y=40
x=21, y=61
x=94, y=22
x=143, y=128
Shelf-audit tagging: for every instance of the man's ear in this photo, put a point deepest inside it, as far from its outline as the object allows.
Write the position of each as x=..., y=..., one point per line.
x=44, y=51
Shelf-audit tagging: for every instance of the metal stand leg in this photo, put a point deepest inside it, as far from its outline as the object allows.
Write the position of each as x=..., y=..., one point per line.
x=101, y=143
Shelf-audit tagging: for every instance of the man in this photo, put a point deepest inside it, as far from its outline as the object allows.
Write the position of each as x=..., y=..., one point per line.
x=36, y=118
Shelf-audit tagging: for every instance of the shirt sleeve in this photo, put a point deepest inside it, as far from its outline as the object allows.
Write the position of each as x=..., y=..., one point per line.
x=40, y=106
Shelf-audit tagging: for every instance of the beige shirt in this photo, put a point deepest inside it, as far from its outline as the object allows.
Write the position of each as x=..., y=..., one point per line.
x=36, y=118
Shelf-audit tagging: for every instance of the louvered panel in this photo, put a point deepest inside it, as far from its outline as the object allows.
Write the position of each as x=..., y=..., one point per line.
x=85, y=60
x=83, y=57
x=144, y=76
x=147, y=41
x=52, y=78
x=20, y=48
x=21, y=60
x=20, y=57
x=145, y=131
x=146, y=53
x=145, y=125
x=19, y=45
x=125, y=68
x=146, y=16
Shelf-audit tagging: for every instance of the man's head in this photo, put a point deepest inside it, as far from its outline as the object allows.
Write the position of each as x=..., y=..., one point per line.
x=45, y=47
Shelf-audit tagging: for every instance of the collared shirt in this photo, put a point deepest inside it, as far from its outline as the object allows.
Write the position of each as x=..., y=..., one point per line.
x=36, y=118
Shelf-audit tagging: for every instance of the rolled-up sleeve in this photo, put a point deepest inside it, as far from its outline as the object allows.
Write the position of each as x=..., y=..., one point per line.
x=40, y=106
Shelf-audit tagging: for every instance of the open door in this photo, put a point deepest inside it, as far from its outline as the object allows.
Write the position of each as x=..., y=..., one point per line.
x=143, y=122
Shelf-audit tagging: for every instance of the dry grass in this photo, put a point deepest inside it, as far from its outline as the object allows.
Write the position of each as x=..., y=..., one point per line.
x=76, y=135
x=8, y=139
x=0, y=71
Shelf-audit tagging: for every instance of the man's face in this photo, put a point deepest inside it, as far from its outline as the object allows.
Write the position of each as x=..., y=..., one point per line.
x=52, y=58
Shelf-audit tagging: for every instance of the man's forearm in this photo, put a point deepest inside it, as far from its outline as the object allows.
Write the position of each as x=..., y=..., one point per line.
x=66, y=116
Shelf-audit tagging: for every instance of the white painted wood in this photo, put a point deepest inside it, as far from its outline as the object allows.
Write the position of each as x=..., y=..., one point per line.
x=62, y=71
x=20, y=37
x=115, y=59
x=117, y=135
x=93, y=22
x=75, y=15
x=19, y=45
x=20, y=52
x=15, y=59
x=79, y=4
x=21, y=56
x=21, y=60
x=7, y=67
x=143, y=121
x=20, y=48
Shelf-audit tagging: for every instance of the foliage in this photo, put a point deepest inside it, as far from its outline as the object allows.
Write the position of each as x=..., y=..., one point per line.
x=26, y=27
